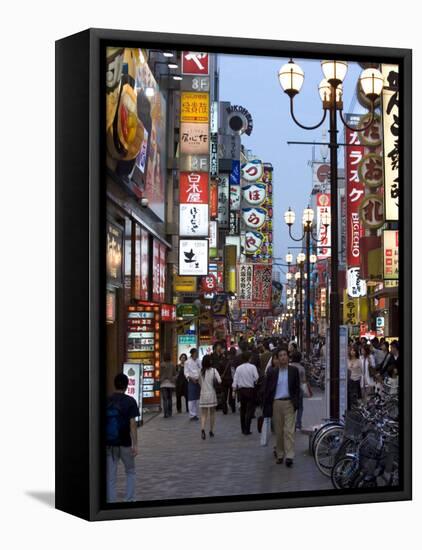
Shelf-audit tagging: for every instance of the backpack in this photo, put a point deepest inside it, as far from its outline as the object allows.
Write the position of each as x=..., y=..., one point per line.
x=114, y=423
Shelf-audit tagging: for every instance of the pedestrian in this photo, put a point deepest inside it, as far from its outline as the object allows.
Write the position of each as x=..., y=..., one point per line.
x=219, y=362
x=368, y=381
x=354, y=366
x=227, y=381
x=167, y=383
x=296, y=359
x=208, y=379
x=281, y=401
x=244, y=381
x=121, y=438
x=192, y=372
x=181, y=384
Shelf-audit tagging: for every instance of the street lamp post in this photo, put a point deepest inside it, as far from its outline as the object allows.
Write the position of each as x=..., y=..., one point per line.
x=307, y=234
x=291, y=78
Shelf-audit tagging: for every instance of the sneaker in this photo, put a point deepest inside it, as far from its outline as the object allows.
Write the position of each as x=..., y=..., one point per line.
x=279, y=461
x=289, y=462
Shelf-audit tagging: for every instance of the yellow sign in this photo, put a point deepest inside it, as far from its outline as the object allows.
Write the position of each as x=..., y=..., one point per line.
x=350, y=309
x=184, y=284
x=194, y=107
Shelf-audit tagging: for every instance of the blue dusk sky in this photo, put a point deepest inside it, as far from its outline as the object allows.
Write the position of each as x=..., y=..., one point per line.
x=253, y=83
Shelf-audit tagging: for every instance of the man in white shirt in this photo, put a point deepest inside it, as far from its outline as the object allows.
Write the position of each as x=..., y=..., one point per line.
x=192, y=371
x=245, y=378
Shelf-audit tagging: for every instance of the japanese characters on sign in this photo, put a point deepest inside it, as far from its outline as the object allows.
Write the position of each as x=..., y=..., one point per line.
x=390, y=114
x=223, y=201
x=252, y=170
x=213, y=234
x=193, y=257
x=355, y=191
x=144, y=265
x=356, y=287
x=253, y=241
x=163, y=270
x=213, y=199
x=370, y=170
x=254, y=217
x=194, y=138
x=323, y=204
x=194, y=107
x=193, y=188
x=193, y=220
x=255, y=286
x=134, y=372
x=155, y=270
x=168, y=313
x=254, y=194
x=371, y=211
x=350, y=310
x=195, y=63
x=235, y=186
x=391, y=254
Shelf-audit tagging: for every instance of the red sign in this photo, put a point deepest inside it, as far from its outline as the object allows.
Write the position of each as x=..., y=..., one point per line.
x=355, y=191
x=195, y=63
x=209, y=283
x=193, y=188
x=168, y=313
x=155, y=271
x=255, y=293
x=213, y=199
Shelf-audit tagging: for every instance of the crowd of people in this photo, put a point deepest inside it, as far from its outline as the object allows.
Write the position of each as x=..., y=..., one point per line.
x=370, y=364
x=263, y=380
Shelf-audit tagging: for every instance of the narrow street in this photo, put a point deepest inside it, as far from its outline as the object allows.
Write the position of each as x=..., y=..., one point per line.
x=174, y=462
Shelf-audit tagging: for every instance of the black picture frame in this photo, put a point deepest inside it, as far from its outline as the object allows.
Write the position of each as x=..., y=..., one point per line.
x=81, y=280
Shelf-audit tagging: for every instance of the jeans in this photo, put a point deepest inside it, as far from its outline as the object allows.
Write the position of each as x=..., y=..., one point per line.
x=113, y=456
x=167, y=394
x=247, y=408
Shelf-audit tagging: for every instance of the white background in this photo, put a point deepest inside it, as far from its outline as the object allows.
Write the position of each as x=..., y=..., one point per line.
x=28, y=32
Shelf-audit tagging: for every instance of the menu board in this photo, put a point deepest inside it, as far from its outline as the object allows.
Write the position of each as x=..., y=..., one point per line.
x=143, y=346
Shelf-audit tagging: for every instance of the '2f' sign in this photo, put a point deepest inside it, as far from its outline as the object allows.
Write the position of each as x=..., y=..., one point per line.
x=195, y=63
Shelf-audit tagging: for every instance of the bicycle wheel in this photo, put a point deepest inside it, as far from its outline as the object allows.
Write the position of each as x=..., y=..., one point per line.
x=326, y=449
x=344, y=472
x=321, y=431
x=348, y=446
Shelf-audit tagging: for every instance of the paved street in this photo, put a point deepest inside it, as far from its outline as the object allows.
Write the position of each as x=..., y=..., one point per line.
x=174, y=462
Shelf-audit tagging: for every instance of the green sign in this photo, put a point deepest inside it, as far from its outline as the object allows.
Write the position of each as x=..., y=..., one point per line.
x=187, y=310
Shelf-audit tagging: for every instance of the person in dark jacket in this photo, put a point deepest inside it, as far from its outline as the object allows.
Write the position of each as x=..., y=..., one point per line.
x=181, y=384
x=281, y=401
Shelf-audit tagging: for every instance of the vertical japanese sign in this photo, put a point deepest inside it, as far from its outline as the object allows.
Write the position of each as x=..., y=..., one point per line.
x=323, y=205
x=155, y=270
x=214, y=140
x=114, y=253
x=162, y=273
x=255, y=286
x=355, y=191
x=134, y=372
x=223, y=201
x=391, y=254
x=193, y=257
x=144, y=265
x=390, y=115
x=193, y=208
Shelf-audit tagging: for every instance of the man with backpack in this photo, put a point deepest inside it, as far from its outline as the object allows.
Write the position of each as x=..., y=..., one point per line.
x=121, y=438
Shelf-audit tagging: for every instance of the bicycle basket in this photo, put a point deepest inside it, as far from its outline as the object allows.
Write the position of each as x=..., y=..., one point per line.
x=354, y=425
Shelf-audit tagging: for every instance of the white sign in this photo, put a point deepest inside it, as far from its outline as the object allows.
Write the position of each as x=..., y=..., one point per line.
x=252, y=170
x=193, y=220
x=223, y=201
x=390, y=112
x=356, y=287
x=255, y=194
x=253, y=241
x=323, y=232
x=213, y=234
x=134, y=373
x=193, y=257
x=254, y=217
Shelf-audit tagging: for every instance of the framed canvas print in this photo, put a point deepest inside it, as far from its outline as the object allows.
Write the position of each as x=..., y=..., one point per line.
x=233, y=274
